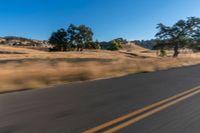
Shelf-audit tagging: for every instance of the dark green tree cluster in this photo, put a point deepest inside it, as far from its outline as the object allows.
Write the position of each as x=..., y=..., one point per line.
x=116, y=44
x=74, y=37
x=184, y=33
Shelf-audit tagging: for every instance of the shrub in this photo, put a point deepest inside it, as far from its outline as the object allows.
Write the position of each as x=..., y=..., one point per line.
x=93, y=45
x=114, y=46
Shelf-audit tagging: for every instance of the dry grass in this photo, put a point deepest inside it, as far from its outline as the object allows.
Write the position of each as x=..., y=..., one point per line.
x=30, y=69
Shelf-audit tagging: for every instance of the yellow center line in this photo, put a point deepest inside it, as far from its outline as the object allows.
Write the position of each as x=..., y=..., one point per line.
x=134, y=120
x=134, y=113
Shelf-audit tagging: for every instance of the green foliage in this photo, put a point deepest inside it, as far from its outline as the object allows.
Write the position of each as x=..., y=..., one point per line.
x=162, y=53
x=115, y=45
x=79, y=36
x=180, y=34
x=73, y=37
x=196, y=46
x=120, y=41
x=160, y=45
x=93, y=45
x=59, y=40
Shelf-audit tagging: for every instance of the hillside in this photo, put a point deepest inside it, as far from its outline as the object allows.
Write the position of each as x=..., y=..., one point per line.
x=23, y=68
x=134, y=49
x=44, y=45
x=23, y=42
x=11, y=49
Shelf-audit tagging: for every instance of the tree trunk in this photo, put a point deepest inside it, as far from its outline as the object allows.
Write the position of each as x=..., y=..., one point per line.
x=78, y=47
x=176, y=52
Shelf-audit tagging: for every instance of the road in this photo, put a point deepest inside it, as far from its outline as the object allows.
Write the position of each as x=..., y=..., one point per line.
x=164, y=101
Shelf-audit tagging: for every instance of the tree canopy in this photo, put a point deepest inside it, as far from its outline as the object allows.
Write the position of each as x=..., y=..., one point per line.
x=73, y=37
x=181, y=34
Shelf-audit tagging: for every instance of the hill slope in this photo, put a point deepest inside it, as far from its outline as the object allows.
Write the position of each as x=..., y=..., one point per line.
x=20, y=41
x=23, y=68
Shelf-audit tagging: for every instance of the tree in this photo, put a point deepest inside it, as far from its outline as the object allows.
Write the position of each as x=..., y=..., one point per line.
x=120, y=40
x=93, y=45
x=114, y=45
x=195, y=45
x=73, y=37
x=179, y=34
x=84, y=36
x=59, y=40
x=96, y=45
x=79, y=36
x=160, y=46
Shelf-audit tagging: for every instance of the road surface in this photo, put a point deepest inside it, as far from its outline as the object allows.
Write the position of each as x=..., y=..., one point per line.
x=160, y=102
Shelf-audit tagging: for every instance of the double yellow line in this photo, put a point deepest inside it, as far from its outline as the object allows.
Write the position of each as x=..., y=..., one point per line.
x=135, y=116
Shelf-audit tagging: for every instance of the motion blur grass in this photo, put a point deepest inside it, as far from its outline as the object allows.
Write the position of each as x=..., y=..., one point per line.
x=32, y=69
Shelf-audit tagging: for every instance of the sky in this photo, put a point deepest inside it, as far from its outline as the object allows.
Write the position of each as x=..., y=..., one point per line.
x=109, y=19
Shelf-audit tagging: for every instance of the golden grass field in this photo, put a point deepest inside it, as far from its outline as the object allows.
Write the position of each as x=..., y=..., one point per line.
x=22, y=68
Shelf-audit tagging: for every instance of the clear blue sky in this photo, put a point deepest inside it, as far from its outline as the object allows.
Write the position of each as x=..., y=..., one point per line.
x=109, y=19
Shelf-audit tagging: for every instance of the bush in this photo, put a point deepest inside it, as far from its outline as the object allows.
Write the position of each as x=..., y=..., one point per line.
x=163, y=53
x=93, y=45
x=114, y=46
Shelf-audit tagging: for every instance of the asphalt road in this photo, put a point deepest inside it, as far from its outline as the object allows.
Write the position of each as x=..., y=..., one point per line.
x=75, y=108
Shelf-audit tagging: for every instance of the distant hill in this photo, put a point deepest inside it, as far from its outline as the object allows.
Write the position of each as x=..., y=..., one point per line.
x=104, y=45
x=149, y=44
x=131, y=46
x=25, y=42
x=137, y=45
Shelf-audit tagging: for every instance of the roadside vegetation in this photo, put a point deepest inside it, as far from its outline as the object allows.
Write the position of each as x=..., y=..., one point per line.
x=183, y=34
x=75, y=56
x=32, y=69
